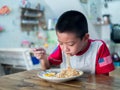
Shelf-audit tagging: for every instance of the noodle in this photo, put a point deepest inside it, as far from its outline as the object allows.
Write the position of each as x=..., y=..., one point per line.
x=68, y=72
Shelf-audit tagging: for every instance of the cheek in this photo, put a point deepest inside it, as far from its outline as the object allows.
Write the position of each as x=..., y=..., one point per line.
x=73, y=50
x=76, y=49
x=67, y=48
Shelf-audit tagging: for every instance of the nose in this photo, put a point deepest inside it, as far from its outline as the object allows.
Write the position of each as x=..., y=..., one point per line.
x=65, y=48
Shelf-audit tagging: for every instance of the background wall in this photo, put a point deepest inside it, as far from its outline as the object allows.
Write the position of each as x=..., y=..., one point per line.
x=112, y=9
x=12, y=35
x=11, y=25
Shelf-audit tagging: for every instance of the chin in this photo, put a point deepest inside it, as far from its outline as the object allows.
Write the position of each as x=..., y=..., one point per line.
x=72, y=54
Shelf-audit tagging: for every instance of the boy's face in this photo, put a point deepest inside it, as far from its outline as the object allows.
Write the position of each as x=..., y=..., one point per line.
x=71, y=44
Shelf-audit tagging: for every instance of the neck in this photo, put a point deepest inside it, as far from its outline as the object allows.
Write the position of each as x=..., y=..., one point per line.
x=85, y=45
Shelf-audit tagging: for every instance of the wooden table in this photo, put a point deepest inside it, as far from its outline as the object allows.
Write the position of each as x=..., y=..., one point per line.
x=29, y=80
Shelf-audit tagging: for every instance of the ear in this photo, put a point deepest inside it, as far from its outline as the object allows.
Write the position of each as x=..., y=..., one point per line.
x=86, y=37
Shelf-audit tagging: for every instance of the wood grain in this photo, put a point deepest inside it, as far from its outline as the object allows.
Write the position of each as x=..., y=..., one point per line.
x=28, y=80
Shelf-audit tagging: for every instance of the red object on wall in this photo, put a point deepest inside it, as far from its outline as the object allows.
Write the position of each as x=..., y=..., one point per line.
x=4, y=10
x=1, y=28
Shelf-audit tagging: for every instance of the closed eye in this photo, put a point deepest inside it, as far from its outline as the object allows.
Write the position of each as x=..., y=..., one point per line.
x=70, y=44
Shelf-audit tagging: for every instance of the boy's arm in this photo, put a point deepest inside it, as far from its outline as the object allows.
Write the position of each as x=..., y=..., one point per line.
x=45, y=64
x=41, y=55
x=104, y=62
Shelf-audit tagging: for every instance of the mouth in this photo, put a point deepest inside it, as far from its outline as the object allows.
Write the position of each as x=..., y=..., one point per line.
x=69, y=54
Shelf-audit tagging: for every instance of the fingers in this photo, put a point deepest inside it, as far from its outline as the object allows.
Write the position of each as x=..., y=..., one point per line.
x=39, y=52
x=38, y=56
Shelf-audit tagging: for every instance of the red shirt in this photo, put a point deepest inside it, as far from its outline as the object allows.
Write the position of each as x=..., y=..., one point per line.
x=103, y=61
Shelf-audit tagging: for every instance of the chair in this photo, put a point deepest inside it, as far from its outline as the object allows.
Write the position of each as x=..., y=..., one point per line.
x=18, y=57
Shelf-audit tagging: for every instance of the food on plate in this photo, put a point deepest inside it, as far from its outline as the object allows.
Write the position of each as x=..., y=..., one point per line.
x=68, y=72
x=51, y=74
x=65, y=73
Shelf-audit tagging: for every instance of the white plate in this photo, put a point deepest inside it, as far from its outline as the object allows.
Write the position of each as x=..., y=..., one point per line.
x=55, y=79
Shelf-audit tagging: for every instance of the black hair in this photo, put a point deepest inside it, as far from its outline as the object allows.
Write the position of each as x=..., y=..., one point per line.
x=72, y=21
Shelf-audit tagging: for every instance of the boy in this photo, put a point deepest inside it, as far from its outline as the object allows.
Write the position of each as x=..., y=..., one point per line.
x=91, y=56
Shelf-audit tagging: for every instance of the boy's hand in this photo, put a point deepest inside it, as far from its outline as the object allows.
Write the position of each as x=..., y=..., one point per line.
x=39, y=53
